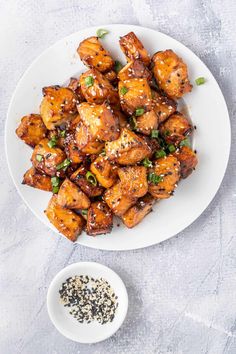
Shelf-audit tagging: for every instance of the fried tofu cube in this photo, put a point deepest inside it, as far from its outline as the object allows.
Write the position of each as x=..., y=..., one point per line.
x=117, y=201
x=133, y=48
x=99, y=219
x=163, y=106
x=31, y=129
x=128, y=149
x=175, y=128
x=37, y=180
x=100, y=120
x=72, y=151
x=133, y=181
x=188, y=160
x=97, y=89
x=58, y=106
x=46, y=159
x=74, y=85
x=147, y=122
x=111, y=76
x=65, y=220
x=105, y=172
x=70, y=196
x=79, y=178
x=171, y=73
x=93, y=55
x=136, y=213
x=85, y=142
x=167, y=170
x=135, y=94
x=134, y=69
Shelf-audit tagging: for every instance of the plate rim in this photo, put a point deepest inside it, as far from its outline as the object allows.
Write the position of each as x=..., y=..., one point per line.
x=67, y=37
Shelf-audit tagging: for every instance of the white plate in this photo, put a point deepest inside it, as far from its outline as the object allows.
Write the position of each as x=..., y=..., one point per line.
x=207, y=109
x=66, y=324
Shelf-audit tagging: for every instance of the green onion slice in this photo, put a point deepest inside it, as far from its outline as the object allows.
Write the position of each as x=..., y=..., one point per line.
x=63, y=133
x=84, y=212
x=200, y=81
x=171, y=148
x=91, y=178
x=39, y=157
x=101, y=32
x=89, y=81
x=185, y=142
x=63, y=165
x=133, y=123
x=146, y=162
x=154, y=133
x=123, y=90
x=160, y=153
x=153, y=178
x=118, y=66
x=139, y=112
x=53, y=141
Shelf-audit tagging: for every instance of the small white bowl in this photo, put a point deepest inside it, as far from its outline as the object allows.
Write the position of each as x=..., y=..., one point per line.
x=66, y=324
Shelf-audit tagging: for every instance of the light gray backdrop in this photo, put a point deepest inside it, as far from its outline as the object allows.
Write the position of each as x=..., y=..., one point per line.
x=183, y=291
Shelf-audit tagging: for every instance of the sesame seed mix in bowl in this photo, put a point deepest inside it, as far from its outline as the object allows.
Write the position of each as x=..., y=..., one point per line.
x=89, y=299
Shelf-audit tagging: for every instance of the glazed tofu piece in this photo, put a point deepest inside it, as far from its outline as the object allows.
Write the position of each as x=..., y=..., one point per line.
x=163, y=106
x=100, y=121
x=133, y=48
x=47, y=160
x=93, y=55
x=74, y=85
x=105, y=172
x=86, y=143
x=117, y=201
x=133, y=181
x=37, y=180
x=31, y=129
x=111, y=76
x=171, y=73
x=71, y=196
x=99, y=219
x=65, y=220
x=58, y=106
x=175, y=128
x=79, y=178
x=128, y=149
x=188, y=160
x=71, y=149
x=134, y=69
x=147, y=122
x=135, y=96
x=97, y=89
x=136, y=213
x=163, y=177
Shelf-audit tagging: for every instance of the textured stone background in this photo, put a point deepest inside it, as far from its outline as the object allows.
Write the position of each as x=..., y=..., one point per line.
x=183, y=291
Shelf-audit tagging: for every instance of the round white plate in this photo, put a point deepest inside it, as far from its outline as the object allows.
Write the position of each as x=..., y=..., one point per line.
x=207, y=109
x=70, y=327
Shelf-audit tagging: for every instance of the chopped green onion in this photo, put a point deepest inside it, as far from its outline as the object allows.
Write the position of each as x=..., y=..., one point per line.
x=89, y=81
x=118, y=66
x=171, y=148
x=154, y=133
x=84, y=212
x=139, y=112
x=146, y=162
x=185, y=142
x=133, y=123
x=63, y=165
x=55, y=189
x=39, y=157
x=200, y=81
x=91, y=178
x=55, y=181
x=153, y=178
x=103, y=153
x=63, y=133
x=101, y=32
x=166, y=133
x=159, y=154
x=53, y=141
x=123, y=90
